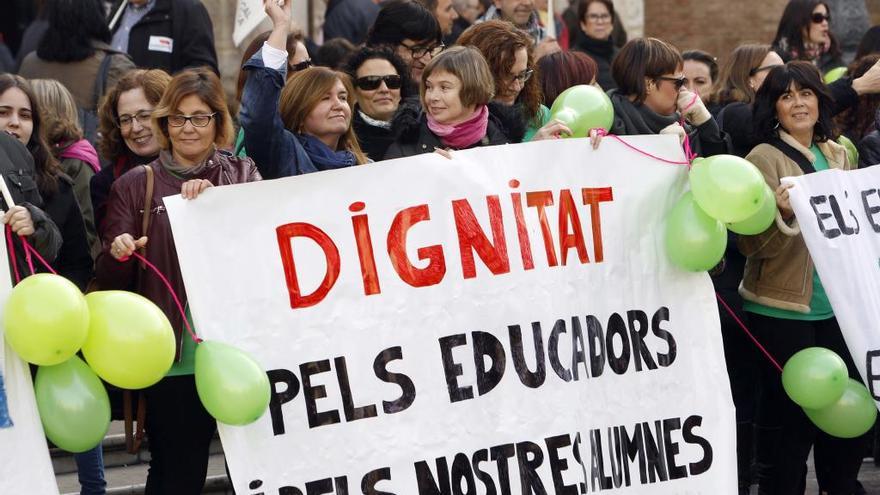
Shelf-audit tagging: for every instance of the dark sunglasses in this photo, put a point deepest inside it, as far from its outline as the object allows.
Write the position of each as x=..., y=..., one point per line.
x=817, y=18
x=305, y=64
x=369, y=83
x=678, y=81
x=759, y=69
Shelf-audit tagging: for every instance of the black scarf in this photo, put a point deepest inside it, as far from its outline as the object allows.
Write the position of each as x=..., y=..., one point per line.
x=600, y=48
x=635, y=118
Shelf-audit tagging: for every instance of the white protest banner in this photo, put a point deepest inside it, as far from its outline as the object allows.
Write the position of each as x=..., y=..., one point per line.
x=248, y=15
x=502, y=322
x=839, y=217
x=25, y=466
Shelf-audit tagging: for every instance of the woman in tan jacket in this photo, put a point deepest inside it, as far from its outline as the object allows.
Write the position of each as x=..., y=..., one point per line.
x=788, y=308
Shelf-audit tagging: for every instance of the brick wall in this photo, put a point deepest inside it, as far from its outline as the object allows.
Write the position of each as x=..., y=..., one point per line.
x=715, y=26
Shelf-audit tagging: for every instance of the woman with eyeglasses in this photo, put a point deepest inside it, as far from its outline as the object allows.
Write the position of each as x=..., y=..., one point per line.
x=297, y=59
x=595, y=37
x=127, y=136
x=192, y=126
x=411, y=31
x=651, y=98
x=455, y=89
x=381, y=82
x=787, y=305
x=804, y=33
x=517, y=103
x=302, y=125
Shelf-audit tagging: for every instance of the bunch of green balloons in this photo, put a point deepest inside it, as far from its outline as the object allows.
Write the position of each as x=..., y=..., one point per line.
x=726, y=193
x=127, y=341
x=816, y=379
x=582, y=108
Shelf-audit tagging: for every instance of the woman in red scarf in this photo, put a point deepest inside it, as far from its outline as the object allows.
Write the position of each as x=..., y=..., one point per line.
x=455, y=88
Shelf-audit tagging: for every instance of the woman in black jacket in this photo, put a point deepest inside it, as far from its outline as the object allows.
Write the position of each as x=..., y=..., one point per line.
x=456, y=87
x=595, y=37
x=381, y=81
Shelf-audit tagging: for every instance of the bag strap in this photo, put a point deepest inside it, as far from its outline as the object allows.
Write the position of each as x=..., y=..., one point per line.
x=148, y=205
x=795, y=155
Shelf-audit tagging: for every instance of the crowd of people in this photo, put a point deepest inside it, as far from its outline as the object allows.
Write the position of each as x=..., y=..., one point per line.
x=107, y=108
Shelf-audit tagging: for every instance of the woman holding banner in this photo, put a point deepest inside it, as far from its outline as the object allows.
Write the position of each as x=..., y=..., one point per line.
x=788, y=308
x=190, y=123
x=455, y=89
x=304, y=125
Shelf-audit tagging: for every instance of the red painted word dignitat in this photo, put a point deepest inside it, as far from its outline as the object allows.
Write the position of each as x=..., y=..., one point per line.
x=164, y=34
x=190, y=123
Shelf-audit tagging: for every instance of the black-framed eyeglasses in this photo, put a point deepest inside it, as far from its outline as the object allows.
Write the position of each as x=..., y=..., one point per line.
x=419, y=51
x=369, y=83
x=678, y=81
x=599, y=17
x=523, y=76
x=305, y=64
x=819, y=18
x=761, y=69
x=142, y=117
x=201, y=120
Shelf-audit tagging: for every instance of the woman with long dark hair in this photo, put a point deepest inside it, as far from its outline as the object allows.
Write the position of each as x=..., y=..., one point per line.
x=787, y=305
x=804, y=33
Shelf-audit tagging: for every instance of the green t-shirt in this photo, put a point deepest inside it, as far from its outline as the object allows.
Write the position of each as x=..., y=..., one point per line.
x=187, y=364
x=542, y=118
x=820, y=306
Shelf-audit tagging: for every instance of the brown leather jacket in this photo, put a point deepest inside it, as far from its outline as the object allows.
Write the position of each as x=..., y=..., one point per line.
x=124, y=215
x=779, y=270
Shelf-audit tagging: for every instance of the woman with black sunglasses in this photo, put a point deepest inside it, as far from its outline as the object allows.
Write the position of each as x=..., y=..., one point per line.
x=381, y=81
x=804, y=33
x=652, y=98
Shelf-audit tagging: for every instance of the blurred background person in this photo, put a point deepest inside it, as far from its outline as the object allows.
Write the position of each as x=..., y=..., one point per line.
x=333, y=53
x=804, y=33
x=349, y=19
x=594, y=37
x=857, y=121
x=411, y=31
x=562, y=70
x=164, y=34
x=445, y=13
x=870, y=43
x=76, y=156
x=701, y=71
x=468, y=13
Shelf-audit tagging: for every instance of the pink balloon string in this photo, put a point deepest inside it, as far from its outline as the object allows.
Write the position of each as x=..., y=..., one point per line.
x=165, y=281
x=603, y=132
x=29, y=248
x=11, y=247
x=751, y=336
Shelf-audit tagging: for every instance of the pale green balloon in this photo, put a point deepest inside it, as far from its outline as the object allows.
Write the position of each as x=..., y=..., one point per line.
x=815, y=377
x=694, y=240
x=727, y=187
x=582, y=108
x=851, y=416
x=233, y=388
x=760, y=221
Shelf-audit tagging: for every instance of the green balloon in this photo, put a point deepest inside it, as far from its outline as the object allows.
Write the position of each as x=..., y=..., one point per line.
x=582, y=108
x=760, y=221
x=231, y=385
x=46, y=319
x=815, y=377
x=852, y=153
x=727, y=187
x=834, y=74
x=73, y=404
x=694, y=240
x=851, y=416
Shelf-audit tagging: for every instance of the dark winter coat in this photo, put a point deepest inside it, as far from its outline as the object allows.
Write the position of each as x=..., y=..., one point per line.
x=413, y=137
x=349, y=19
x=869, y=146
x=603, y=52
x=186, y=23
x=74, y=261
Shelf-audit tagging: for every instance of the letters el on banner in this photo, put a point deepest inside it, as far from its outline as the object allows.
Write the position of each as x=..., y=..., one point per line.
x=502, y=322
x=839, y=216
x=25, y=466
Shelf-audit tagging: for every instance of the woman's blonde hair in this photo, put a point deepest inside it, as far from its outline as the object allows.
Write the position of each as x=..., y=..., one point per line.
x=206, y=85
x=733, y=79
x=59, y=113
x=470, y=67
x=303, y=92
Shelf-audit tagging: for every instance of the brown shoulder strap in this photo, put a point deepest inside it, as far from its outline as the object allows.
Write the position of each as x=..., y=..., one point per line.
x=148, y=205
x=134, y=421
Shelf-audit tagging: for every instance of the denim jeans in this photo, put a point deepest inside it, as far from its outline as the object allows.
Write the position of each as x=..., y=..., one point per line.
x=90, y=470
